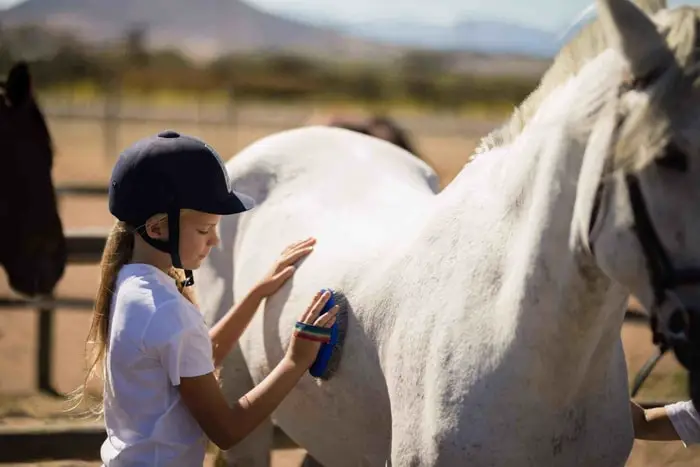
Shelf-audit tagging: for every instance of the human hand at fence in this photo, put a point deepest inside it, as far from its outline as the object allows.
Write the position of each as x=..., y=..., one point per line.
x=284, y=267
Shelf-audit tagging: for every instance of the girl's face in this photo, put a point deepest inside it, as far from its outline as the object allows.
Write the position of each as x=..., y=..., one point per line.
x=197, y=235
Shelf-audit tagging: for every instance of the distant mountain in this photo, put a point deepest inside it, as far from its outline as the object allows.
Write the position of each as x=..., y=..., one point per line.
x=497, y=37
x=490, y=37
x=202, y=28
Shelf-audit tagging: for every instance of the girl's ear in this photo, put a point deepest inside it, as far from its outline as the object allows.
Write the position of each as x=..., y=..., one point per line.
x=157, y=227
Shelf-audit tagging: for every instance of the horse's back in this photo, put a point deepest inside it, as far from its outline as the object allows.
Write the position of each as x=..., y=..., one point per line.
x=351, y=191
x=354, y=193
x=318, y=157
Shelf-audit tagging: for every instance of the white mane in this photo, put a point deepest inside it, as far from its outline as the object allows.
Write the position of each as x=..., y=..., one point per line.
x=678, y=27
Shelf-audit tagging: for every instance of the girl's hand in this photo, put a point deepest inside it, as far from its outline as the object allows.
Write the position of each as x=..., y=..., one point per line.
x=302, y=351
x=284, y=268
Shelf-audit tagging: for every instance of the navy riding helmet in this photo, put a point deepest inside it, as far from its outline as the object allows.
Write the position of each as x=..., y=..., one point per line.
x=166, y=173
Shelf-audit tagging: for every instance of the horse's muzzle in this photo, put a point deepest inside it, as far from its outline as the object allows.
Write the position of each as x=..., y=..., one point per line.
x=37, y=273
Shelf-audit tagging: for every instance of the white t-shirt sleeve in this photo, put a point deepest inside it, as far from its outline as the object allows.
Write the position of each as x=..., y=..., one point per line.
x=685, y=420
x=181, y=343
x=187, y=354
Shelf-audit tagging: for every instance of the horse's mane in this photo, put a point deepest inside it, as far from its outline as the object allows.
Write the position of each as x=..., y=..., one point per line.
x=584, y=46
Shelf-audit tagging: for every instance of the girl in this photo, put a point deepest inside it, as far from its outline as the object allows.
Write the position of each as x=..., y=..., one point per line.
x=679, y=421
x=161, y=398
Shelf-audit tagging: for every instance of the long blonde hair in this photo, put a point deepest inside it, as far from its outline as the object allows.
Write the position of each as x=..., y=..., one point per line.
x=118, y=252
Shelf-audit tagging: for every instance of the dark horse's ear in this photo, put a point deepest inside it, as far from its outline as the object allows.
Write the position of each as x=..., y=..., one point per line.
x=18, y=87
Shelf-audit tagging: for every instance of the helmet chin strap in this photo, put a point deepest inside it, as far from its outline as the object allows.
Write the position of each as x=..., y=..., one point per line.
x=172, y=246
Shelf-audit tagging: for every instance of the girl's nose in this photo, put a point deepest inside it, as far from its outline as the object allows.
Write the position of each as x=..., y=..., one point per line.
x=214, y=239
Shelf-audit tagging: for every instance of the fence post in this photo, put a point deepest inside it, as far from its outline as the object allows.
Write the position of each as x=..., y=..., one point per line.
x=112, y=112
x=232, y=115
x=44, y=372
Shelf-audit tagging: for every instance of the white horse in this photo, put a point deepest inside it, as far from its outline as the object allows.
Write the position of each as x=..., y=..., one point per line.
x=484, y=321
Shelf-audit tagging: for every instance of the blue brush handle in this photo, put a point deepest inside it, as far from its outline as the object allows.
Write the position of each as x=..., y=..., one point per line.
x=324, y=353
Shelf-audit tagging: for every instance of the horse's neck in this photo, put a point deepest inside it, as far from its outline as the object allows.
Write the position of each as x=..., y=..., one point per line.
x=499, y=246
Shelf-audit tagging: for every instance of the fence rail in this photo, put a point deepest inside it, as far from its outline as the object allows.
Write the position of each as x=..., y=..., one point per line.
x=75, y=441
x=82, y=189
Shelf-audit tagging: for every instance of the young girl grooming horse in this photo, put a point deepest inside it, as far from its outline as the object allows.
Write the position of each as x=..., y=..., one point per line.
x=161, y=397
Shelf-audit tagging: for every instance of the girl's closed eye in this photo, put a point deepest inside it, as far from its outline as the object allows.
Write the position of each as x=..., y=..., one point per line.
x=205, y=229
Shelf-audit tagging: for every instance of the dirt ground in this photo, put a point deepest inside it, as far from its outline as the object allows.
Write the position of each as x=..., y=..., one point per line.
x=80, y=158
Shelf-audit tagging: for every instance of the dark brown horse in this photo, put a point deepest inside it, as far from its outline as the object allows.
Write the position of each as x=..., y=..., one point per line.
x=32, y=243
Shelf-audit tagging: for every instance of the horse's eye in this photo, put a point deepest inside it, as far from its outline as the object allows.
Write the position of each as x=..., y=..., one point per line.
x=673, y=158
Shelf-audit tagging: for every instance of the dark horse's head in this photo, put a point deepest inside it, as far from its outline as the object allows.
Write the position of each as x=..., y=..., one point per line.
x=32, y=244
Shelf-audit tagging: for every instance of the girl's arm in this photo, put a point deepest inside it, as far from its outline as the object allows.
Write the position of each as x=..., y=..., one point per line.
x=225, y=425
x=226, y=332
x=652, y=424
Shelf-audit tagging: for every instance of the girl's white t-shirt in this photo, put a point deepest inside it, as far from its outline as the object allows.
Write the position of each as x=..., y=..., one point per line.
x=156, y=337
x=685, y=420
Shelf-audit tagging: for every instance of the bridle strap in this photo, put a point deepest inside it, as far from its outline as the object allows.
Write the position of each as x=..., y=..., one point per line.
x=662, y=274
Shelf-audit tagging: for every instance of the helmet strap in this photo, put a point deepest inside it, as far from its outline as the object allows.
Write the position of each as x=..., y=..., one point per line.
x=172, y=246
x=174, y=243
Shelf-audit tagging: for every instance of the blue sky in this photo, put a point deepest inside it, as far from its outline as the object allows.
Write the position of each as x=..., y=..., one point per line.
x=553, y=15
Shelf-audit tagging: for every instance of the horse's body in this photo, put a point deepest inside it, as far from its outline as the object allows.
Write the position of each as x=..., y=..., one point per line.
x=393, y=250
x=481, y=329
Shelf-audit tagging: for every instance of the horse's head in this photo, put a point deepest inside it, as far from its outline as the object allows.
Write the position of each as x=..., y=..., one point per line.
x=32, y=245
x=640, y=179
